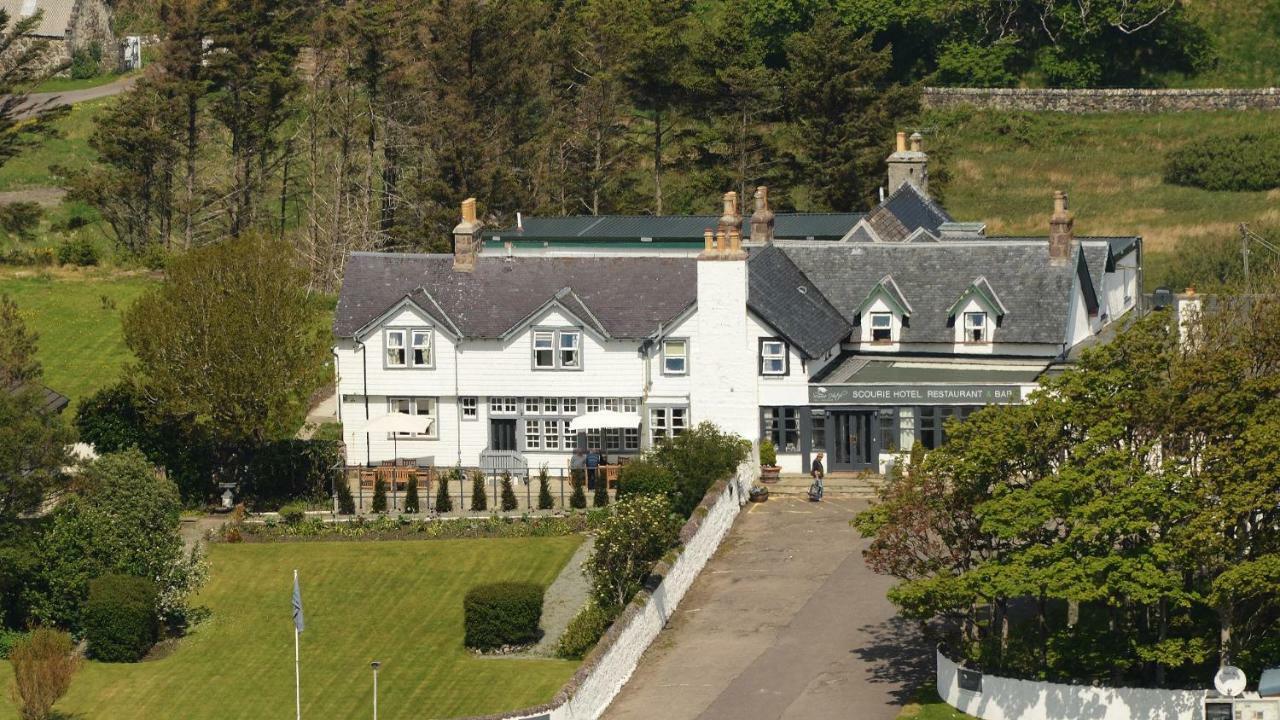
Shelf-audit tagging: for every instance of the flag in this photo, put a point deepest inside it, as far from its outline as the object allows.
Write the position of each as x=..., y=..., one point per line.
x=297, y=603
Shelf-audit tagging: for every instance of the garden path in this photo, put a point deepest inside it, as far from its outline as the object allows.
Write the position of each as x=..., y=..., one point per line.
x=563, y=599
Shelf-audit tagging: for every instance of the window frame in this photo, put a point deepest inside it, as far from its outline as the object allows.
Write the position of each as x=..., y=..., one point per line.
x=576, y=349
x=414, y=400
x=683, y=357
x=557, y=349
x=871, y=325
x=387, y=347
x=470, y=413
x=777, y=424
x=550, y=337
x=984, y=327
x=784, y=356
x=428, y=348
x=504, y=405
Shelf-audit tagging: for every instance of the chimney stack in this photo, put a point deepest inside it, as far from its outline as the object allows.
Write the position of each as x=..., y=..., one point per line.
x=762, y=218
x=730, y=220
x=1062, y=239
x=909, y=165
x=467, y=242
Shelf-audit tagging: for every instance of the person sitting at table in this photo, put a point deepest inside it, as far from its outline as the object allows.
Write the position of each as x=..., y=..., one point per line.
x=592, y=461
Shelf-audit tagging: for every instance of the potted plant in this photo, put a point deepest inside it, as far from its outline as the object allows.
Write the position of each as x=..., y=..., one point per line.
x=769, y=470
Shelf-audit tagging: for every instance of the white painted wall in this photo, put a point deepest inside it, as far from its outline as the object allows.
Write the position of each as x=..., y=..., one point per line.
x=1007, y=699
x=724, y=389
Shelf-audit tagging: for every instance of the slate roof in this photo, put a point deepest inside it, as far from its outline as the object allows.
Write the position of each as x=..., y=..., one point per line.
x=53, y=23
x=51, y=401
x=786, y=299
x=904, y=212
x=688, y=228
x=855, y=368
x=932, y=275
x=627, y=297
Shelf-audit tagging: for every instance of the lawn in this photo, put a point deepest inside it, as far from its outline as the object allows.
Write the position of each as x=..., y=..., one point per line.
x=1004, y=166
x=33, y=168
x=396, y=602
x=926, y=705
x=66, y=84
x=81, y=343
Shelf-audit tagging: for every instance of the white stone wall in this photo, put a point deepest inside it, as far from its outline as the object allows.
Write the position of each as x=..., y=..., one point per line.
x=1008, y=699
x=725, y=354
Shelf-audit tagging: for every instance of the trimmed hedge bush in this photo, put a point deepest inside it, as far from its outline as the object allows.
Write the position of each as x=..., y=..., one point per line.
x=502, y=614
x=120, y=619
x=293, y=513
x=642, y=477
x=584, y=631
x=1245, y=162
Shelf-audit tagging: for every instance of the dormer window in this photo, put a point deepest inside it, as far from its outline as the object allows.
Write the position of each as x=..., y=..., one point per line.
x=395, y=347
x=570, y=353
x=421, y=346
x=975, y=327
x=881, y=327
x=544, y=357
x=557, y=350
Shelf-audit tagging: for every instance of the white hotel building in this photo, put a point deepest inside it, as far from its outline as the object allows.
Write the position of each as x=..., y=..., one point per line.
x=857, y=347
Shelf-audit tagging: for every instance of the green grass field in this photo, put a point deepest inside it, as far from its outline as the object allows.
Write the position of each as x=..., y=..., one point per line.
x=1003, y=168
x=81, y=343
x=397, y=602
x=33, y=168
x=1246, y=37
x=65, y=84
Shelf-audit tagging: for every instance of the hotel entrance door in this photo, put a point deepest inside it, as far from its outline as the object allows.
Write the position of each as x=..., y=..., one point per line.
x=851, y=441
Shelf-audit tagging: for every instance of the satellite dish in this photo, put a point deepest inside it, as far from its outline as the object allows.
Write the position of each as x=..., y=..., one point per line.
x=1229, y=680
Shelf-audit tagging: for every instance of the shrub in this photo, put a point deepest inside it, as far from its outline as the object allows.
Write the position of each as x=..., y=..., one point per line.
x=578, y=500
x=509, y=501
x=640, y=530
x=444, y=503
x=9, y=639
x=643, y=477
x=768, y=453
x=601, y=497
x=584, y=631
x=120, y=620
x=379, y=495
x=479, y=499
x=43, y=664
x=1242, y=162
x=283, y=470
x=697, y=458
x=502, y=614
x=78, y=251
x=411, y=496
x=545, y=501
x=21, y=218
x=293, y=513
x=346, y=503
x=86, y=62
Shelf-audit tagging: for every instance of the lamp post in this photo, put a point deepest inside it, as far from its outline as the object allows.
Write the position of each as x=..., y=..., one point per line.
x=375, y=665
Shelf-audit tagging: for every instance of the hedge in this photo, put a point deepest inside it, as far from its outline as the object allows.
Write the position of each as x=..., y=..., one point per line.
x=120, y=619
x=501, y=614
x=1245, y=162
x=584, y=631
x=642, y=477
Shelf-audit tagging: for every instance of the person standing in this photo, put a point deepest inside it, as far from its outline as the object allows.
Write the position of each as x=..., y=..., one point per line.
x=592, y=462
x=816, y=471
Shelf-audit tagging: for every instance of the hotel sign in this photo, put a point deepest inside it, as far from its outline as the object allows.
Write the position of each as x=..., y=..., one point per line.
x=914, y=394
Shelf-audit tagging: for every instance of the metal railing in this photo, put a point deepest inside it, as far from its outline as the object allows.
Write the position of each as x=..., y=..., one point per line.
x=525, y=488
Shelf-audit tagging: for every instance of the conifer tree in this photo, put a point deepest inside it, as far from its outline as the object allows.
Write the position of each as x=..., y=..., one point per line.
x=509, y=501
x=444, y=503
x=346, y=503
x=479, y=498
x=601, y=497
x=545, y=501
x=379, y=495
x=578, y=500
x=411, y=496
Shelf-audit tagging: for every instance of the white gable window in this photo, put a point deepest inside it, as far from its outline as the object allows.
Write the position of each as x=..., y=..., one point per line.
x=570, y=349
x=544, y=355
x=675, y=356
x=423, y=408
x=394, y=340
x=881, y=327
x=773, y=357
x=975, y=327
x=421, y=346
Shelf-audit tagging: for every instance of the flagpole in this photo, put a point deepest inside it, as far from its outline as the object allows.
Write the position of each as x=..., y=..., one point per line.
x=297, y=662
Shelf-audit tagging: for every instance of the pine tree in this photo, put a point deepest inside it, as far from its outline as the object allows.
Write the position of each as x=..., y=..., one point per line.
x=379, y=495
x=479, y=498
x=346, y=503
x=411, y=496
x=444, y=503
x=578, y=500
x=509, y=501
x=601, y=497
x=545, y=501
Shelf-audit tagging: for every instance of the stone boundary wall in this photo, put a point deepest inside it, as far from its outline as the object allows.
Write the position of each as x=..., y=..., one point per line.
x=605, y=670
x=1102, y=100
x=1008, y=699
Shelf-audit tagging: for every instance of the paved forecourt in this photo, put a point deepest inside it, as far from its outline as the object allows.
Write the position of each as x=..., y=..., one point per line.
x=786, y=621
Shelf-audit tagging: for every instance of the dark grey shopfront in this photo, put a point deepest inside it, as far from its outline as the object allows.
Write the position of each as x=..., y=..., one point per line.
x=854, y=425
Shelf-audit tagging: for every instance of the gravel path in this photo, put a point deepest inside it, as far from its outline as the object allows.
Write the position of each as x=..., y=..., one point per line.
x=563, y=599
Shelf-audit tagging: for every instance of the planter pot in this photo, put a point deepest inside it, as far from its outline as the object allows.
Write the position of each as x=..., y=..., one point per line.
x=759, y=494
x=770, y=473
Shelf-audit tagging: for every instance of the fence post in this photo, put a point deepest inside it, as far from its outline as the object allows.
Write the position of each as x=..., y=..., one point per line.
x=493, y=500
x=562, y=506
x=429, y=473
x=528, y=498
x=462, y=493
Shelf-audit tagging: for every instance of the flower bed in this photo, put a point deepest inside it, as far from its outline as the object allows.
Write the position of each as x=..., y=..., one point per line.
x=387, y=528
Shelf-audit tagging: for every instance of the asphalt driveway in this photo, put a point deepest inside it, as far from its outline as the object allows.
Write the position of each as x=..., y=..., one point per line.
x=786, y=621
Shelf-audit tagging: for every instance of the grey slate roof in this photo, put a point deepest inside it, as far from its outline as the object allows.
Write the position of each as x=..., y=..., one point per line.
x=904, y=212
x=855, y=368
x=627, y=297
x=817, y=226
x=787, y=300
x=54, y=23
x=932, y=275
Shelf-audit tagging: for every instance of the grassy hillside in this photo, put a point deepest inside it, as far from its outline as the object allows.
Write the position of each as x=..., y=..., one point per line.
x=1246, y=38
x=77, y=315
x=396, y=602
x=70, y=151
x=1003, y=168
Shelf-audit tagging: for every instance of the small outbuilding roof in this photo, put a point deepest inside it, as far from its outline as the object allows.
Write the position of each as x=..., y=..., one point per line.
x=54, y=22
